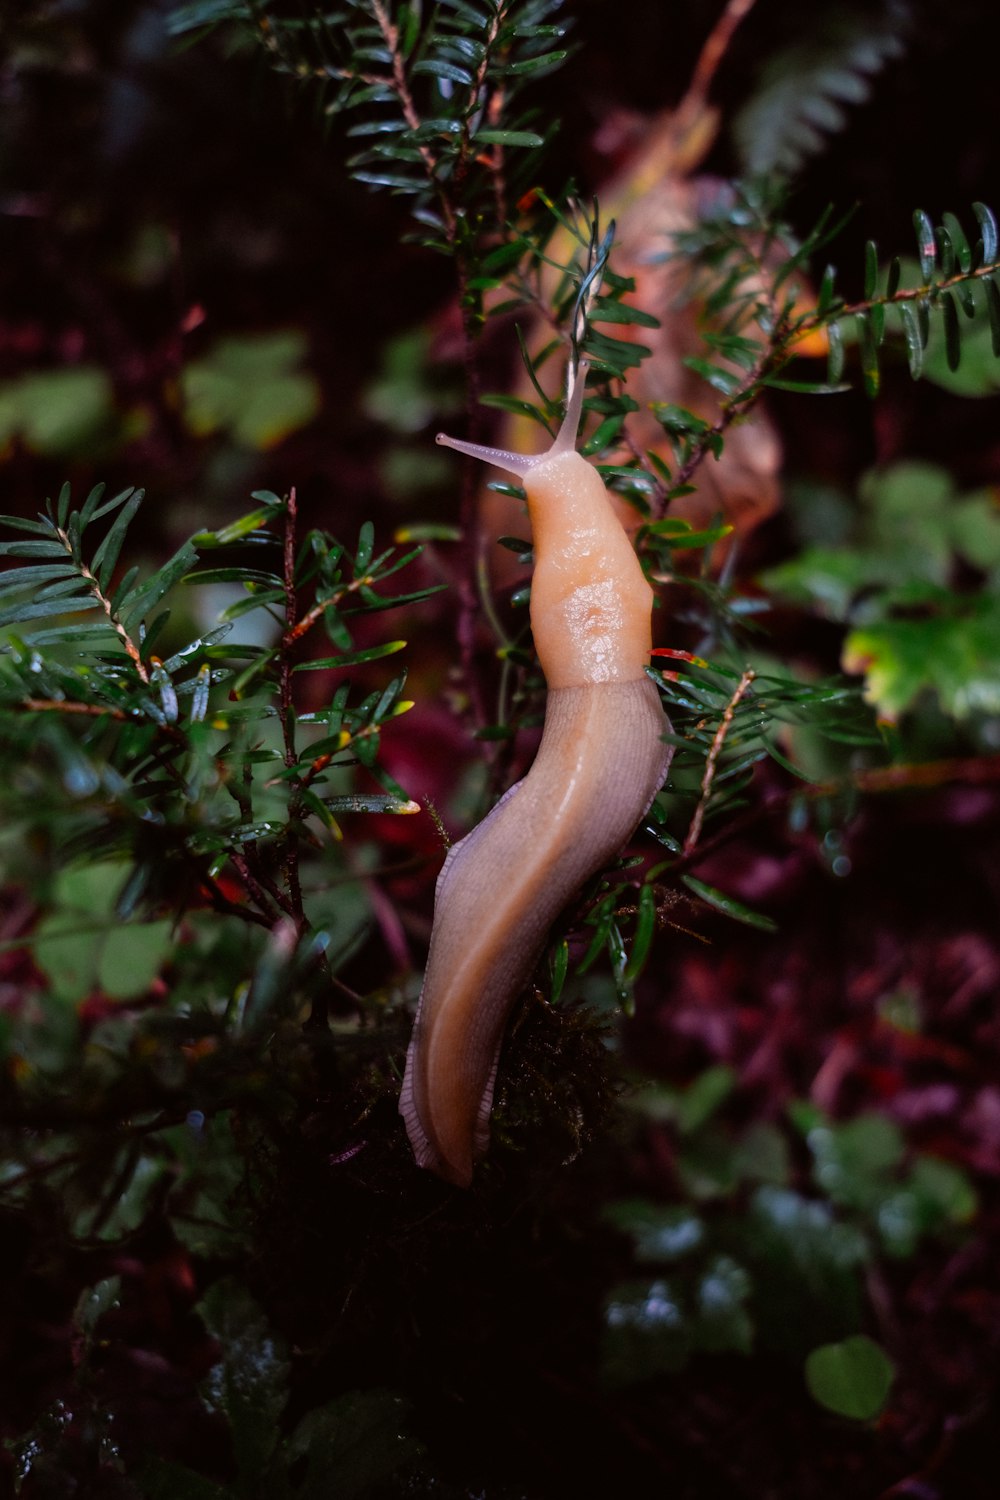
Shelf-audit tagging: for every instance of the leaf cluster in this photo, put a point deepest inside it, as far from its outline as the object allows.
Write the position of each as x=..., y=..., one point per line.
x=806, y=86
x=899, y=579
x=361, y=1436
x=723, y=725
x=212, y=797
x=436, y=100
x=747, y=1241
x=952, y=267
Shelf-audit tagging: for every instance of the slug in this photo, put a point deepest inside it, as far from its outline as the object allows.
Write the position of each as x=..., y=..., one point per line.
x=601, y=760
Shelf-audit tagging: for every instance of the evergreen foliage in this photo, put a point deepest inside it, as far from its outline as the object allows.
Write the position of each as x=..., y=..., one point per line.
x=185, y=811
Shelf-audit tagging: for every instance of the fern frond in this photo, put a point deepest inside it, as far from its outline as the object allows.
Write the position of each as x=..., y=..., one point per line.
x=805, y=88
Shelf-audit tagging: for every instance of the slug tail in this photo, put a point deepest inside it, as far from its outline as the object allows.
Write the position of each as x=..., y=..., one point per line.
x=427, y=1153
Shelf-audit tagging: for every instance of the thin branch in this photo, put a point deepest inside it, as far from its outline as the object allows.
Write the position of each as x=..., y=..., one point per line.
x=60, y=706
x=309, y=619
x=923, y=776
x=713, y=51
x=98, y=593
x=711, y=763
x=286, y=706
x=904, y=294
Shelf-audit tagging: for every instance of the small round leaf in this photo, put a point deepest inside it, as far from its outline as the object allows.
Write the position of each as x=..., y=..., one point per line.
x=851, y=1378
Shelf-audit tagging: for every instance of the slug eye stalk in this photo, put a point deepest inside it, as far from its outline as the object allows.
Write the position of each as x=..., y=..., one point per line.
x=521, y=464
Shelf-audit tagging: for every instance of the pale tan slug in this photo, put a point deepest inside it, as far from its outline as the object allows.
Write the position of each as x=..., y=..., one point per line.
x=601, y=761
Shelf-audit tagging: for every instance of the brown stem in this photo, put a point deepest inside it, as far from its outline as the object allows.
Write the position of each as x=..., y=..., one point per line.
x=711, y=763
x=98, y=593
x=58, y=706
x=287, y=710
x=309, y=619
x=713, y=51
x=875, y=781
x=909, y=294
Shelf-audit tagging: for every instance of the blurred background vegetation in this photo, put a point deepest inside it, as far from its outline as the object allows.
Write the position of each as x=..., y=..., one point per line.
x=739, y=1230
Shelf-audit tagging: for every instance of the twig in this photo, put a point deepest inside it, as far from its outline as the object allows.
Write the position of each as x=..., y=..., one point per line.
x=309, y=619
x=287, y=710
x=400, y=87
x=902, y=294
x=694, y=832
x=713, y=51
x=98, y=593
x=982, y=770
x=59, y=706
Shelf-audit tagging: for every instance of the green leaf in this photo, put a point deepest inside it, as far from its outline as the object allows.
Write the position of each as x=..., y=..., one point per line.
x=15, y=579
x=729, y=906
x=92, y=507
x=82, y=945
x=559, y=970
x=106, y=555
x=835, y=362
x=955, y=654
x=34, y=528
x=926, y=244
x=162, y=1480
x=351, y=658
x=238, y=530
x=855, y=1162
x=249, y=1385
x=358, y=1442
x=868, y=346
x=952, y=336
x=988, y=230
x=947, y=259
x=914, y=342
x=149, y=593
x=508, y=138
x=963, y=251
x=806, y=1267
x=131, y=957
x=545, y=61
x=605, y=311
x=371, y=802
x=700, y=1101
x=659, y=1232
x=943, y=1192
x=802, y=90
x=32, y=549
x=252, y=389
x=435, y=67
x=15, y=614
x=645, y=930
x=366, y=546
x=852, y=1378
x=58, y=413
x=647, y=1332
x=722, y=1321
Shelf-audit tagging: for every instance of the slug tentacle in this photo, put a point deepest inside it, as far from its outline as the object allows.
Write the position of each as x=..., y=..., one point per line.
x=513, y=463
x=521, y=464
x=601, y=761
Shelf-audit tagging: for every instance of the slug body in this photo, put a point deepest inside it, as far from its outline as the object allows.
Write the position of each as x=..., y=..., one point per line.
x=601, y=761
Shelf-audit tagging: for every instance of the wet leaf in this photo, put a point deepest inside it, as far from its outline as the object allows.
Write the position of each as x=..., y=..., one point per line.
x=249, y=1385
x=353, y=1444
x=852, y=1378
